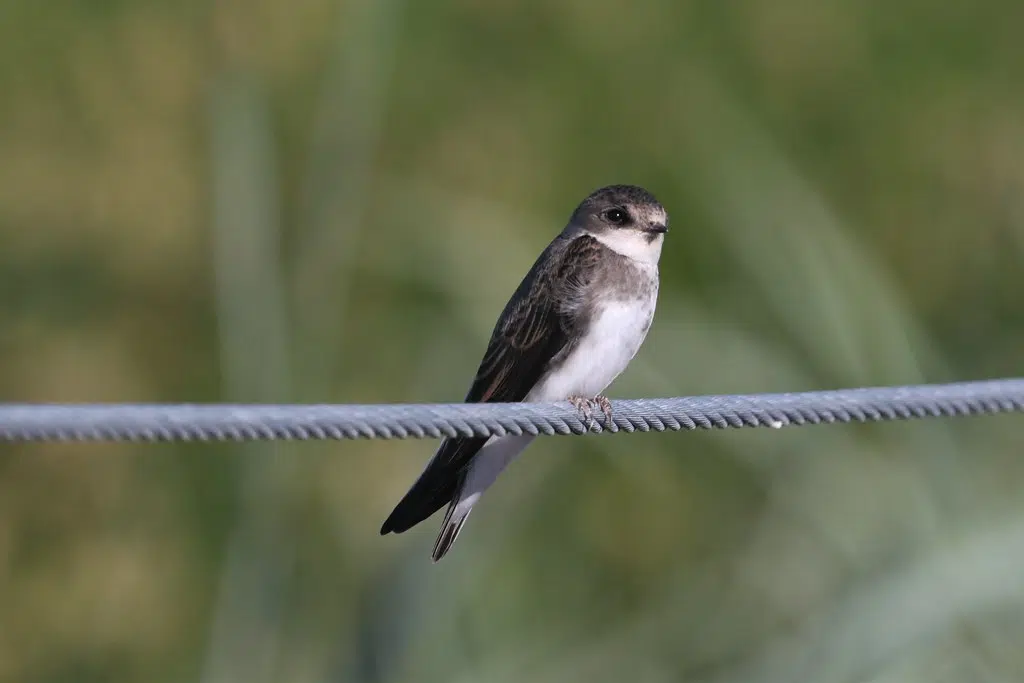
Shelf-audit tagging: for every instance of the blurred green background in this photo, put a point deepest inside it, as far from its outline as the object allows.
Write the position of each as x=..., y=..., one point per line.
x=330, y=201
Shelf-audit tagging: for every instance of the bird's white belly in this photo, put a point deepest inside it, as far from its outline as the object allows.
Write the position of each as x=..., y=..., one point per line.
x=614, y=337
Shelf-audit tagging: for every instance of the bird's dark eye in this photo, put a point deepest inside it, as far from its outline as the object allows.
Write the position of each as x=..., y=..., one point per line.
x=617, y=216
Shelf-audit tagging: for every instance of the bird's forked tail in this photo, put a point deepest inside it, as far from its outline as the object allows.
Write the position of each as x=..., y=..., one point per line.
x=456, y=515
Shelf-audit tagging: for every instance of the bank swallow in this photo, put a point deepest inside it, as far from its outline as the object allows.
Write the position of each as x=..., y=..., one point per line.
x=573, y=324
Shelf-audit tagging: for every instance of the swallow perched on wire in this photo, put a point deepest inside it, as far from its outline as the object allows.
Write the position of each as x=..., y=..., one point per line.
x=571, y=327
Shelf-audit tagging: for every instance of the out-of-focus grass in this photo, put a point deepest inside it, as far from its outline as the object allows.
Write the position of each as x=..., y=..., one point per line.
x=253, y=330
x=275, y=201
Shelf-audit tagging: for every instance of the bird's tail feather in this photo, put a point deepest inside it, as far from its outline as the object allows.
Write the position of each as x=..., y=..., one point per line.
x=454, y=518
x=487, y=465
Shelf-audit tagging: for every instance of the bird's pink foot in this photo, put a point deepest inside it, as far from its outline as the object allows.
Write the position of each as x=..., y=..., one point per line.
x=606, y=408
x=585, y=405
x=582, y=405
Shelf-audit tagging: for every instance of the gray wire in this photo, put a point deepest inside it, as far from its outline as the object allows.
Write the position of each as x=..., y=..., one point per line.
x=226, y=422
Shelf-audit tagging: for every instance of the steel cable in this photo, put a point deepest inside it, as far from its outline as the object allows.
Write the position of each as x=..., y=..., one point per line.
x=227, y=422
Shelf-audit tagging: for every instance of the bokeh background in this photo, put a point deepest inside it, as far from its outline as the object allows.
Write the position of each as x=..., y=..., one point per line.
x=330, y=201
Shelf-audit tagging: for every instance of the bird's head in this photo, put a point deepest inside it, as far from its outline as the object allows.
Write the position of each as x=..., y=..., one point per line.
x=626, y=219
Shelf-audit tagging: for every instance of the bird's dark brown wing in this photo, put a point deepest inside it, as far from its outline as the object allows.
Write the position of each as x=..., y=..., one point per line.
x=535, y=327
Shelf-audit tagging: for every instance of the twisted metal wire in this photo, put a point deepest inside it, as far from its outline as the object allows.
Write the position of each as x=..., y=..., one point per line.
x=226, y=422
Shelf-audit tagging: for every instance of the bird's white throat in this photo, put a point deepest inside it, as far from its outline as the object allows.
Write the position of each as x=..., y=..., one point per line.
x=632, y=244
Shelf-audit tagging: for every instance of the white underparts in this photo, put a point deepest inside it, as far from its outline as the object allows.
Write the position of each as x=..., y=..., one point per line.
x=614, y=336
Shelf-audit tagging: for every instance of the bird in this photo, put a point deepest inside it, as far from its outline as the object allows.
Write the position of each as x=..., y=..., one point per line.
x=570, y=328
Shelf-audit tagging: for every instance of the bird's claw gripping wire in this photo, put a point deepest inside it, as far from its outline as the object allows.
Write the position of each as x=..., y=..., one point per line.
x=584, y=405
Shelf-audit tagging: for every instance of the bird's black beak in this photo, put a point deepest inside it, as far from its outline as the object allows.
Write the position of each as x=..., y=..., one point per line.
x=658, y=228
